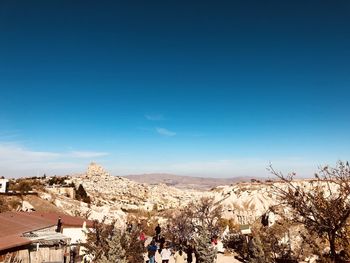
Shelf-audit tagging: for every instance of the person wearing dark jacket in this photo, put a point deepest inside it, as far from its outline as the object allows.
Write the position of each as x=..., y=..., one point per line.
x=158, y=230
x=152, y=249
x=189, y=252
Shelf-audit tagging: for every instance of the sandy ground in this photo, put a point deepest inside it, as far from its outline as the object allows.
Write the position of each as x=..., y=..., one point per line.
x=227, y=259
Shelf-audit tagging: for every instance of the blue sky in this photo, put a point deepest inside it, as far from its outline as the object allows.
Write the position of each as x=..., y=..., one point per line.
x=205, y=88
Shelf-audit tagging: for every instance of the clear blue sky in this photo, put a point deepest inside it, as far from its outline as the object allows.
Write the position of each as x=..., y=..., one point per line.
x=212, y=88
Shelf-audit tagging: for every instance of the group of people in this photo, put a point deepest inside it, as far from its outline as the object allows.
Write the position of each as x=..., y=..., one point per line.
x=166, y=253
x=158, y=244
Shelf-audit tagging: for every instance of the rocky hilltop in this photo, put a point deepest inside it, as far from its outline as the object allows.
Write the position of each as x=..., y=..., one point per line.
x=106, y=189
x=95, y=170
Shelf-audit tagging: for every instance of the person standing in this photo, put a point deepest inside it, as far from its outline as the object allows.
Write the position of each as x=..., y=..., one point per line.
x=189, y=254
x=158, y=230
x=142, y=236
x=129, y=227
x=165, y=254
x=152, y=248
x=161, y=243
x=180, y=256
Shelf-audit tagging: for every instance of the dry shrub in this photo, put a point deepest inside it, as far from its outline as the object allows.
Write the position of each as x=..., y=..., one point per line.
x=322, y=205
x=3, y=205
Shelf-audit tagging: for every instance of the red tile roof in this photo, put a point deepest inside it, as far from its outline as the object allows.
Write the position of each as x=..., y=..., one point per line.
x=67, y=220
x=14, y=224
x=13, y=241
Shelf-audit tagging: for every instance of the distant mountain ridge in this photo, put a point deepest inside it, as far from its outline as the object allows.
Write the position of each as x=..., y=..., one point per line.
x=185, y=182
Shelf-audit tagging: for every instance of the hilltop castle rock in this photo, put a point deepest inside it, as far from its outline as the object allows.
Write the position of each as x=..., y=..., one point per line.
x=125, y=194
x=95, y=169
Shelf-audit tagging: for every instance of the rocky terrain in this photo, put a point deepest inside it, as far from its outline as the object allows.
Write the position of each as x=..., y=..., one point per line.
x=129, y=194
x=113, y=197
x=118, y=199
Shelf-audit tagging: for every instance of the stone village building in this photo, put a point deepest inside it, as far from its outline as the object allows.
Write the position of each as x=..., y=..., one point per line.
x=3, y=185
x=38, y=237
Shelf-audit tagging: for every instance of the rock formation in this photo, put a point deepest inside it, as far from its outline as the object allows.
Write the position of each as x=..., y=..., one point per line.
x=96, y=170
x=114, y=196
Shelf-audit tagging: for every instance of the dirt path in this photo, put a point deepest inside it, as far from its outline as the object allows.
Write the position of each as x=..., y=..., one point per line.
x=221, y=259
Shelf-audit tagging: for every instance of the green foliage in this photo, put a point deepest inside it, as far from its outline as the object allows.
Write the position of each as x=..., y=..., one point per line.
x=108, y=244
x=115, y=253
x=256, y=251
x=81, y=195
x=57, y=180
x=278, y=239
x=205, y=252
x=133, y=246
x=97, y=238
x=238, y=243
x=20, y=185
x=25, y=185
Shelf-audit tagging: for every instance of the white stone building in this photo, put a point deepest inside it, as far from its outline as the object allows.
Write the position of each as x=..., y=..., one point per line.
x=3, y=185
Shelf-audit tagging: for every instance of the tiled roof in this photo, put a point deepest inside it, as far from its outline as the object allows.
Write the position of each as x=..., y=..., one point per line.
x=13, y=241
x=14, y=224
x=66, y=220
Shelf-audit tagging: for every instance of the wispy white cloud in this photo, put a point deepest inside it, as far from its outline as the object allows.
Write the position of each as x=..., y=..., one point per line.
x=16, y=152
x=154, y=117
x=16, y=160
x=9, y=135
x=165, y=132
